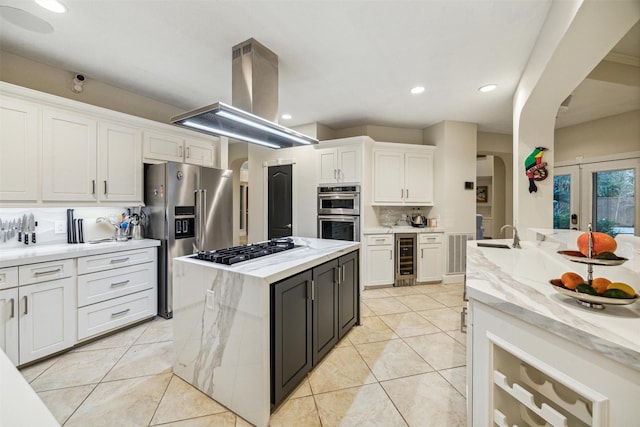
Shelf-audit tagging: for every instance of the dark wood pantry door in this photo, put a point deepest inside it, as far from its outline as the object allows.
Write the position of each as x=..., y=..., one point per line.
x=279, y=202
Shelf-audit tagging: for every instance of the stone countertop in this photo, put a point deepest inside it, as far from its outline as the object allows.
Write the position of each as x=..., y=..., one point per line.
x=401, y=229
x=272, y=268
x=34, y=253
x=516, y=282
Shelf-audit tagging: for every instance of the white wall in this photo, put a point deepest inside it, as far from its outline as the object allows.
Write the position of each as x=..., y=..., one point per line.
x=501, y=147
x=383, y=133
x=610, y=135
x=454, y=164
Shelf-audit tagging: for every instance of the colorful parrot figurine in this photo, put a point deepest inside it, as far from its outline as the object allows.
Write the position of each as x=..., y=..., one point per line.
x=536, y=169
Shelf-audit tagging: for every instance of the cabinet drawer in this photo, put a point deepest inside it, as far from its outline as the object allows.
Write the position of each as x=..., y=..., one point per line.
x=46, y=271
x=430, y=238
x=8, y=277
x=379, y=239
x=91, y=264
x=104, y=316
x=105, y=285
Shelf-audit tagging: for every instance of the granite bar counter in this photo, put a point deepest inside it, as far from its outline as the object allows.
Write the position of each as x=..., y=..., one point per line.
x=513, y=307
x=221, y=323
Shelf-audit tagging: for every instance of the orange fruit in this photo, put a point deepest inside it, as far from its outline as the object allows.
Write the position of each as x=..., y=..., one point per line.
x=601, y=243
x=570, y=280
x=600, y=284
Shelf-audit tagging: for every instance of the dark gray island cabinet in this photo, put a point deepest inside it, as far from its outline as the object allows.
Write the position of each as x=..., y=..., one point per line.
x=310, y=313
x=246, y=334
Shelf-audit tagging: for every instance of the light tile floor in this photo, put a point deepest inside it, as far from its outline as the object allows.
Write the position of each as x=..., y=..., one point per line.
x=405, y=365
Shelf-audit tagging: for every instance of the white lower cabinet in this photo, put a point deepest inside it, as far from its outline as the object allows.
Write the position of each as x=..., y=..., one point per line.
x=46, y=317
x=115, y=289
x=9, y=323
x=379, y=260
x=429, y=257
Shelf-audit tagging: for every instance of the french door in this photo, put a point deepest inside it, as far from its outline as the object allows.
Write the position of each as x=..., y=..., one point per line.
x=602, y=193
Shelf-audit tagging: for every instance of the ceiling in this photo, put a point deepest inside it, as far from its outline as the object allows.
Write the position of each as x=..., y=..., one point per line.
x=341, y=63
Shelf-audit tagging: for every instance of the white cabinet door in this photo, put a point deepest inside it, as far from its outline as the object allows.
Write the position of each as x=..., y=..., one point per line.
x=47, y=313
x=349, y=164
x=430, y=263
x=18, y=150
x=327, y=165
x=199, y=152
x=9, y=323
x=68, y=156
x=379, y=259
x=418, y=178
x=388, y=177
x=120, y=163
x=165, y=147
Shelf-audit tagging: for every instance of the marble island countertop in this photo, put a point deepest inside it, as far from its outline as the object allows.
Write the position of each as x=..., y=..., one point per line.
x=308, y=253
x=50, y=252
x=516, y=282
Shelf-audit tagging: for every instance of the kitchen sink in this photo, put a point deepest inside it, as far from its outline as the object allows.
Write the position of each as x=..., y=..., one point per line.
x=493, y=245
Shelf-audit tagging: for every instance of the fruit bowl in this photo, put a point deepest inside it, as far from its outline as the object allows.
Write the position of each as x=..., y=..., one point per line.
x=577, y=256
x=592, y=301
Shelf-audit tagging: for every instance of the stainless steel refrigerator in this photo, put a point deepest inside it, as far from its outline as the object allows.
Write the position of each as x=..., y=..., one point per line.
x=190, y=210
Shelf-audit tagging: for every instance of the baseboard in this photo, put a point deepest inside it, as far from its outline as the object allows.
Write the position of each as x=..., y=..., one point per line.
x=452, y=278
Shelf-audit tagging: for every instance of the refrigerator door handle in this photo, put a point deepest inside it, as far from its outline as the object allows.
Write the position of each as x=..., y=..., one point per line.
x=197, y=203
x=203, y=219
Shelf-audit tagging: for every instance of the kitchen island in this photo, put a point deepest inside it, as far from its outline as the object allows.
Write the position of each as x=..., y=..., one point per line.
x=536, y=354
x=226, y=320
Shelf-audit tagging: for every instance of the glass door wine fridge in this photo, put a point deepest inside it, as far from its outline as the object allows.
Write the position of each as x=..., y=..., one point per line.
x=405, y=259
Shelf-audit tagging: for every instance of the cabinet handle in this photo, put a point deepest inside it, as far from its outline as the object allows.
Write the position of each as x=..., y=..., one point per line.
x=407, y=193
x=42, y=273
x=93, y=186
x=13, y=308
x=463, y=320
x=391, y=255
x=380, y=240
x=313, y=290
x=118, y=313
x=342, y=274
x=402, y=193
x=26, y=302
x=335, y=174
x=124, y=282
x=422, y=253
x=339, y=173
x=105, y=186
x=117, y=260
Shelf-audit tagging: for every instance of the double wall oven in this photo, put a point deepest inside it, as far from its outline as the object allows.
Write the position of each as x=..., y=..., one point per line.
x=339, y=212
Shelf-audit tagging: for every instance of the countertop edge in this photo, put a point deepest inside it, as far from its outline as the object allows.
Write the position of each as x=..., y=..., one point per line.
x=44, y=253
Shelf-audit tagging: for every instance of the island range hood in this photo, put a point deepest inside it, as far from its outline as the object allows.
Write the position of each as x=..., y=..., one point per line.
x=253, y=116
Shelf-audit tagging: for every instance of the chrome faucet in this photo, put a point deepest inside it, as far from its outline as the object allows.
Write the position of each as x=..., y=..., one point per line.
x=516, y=238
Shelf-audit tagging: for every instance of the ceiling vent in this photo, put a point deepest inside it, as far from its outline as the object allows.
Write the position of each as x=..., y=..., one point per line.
x=253, y=116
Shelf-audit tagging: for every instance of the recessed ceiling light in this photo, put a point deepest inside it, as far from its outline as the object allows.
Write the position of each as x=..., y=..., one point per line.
x=286, y=116
x=488, y=88
x=52, y=5
x=417, y=89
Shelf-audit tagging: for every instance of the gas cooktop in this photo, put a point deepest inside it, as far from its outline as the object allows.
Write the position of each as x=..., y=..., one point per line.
x=242, y=253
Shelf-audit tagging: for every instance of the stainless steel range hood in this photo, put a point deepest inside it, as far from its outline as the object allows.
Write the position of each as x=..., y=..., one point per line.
x=253, y=116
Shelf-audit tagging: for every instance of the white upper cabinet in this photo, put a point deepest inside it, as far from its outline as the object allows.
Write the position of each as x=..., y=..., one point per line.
x=69, y=143
x=176, y=148
x=403, y=175
x=339, y=165
x=18, y=150
x=119, y=163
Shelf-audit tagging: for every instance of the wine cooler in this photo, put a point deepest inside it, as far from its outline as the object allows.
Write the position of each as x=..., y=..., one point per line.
x=405, y=259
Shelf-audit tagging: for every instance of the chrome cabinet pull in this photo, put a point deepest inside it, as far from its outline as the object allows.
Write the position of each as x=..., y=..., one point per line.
x=407, y=193
x=118, y=313
x=105, y=186
x=26, y=302
x=42, y=273
x=343, y=274
x=188, y=152
x=463, y=320
x=380, y=240
x=313, y=290
x=391, y=255
x=402, y=193
x=422, y=253
x=117, y=260
x=93, y=186
x=335, y=174
x=13, y=308
x=124, y=282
